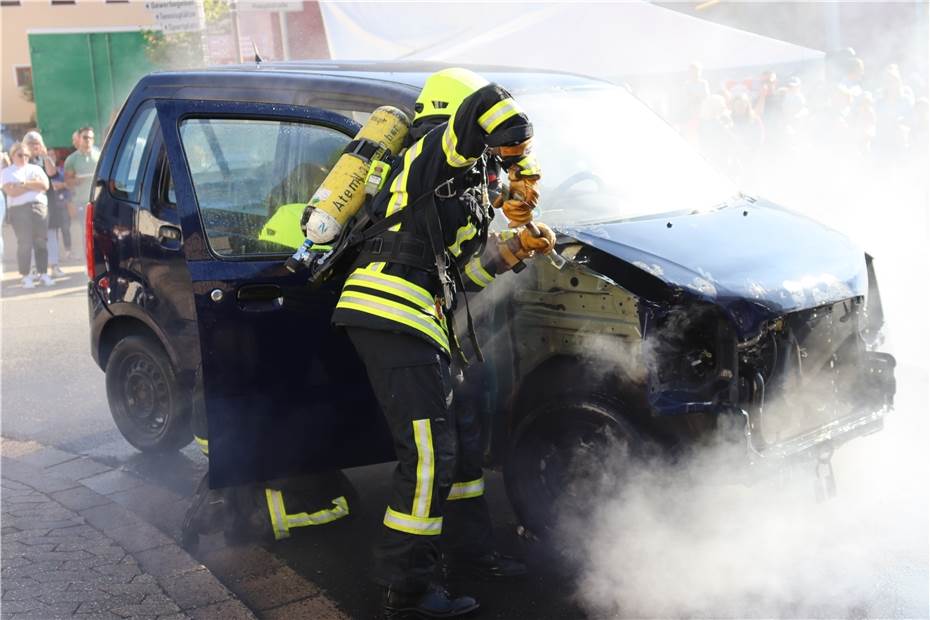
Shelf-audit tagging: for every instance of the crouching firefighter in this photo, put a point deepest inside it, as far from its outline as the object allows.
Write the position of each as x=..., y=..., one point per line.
x=266, y=511
x=431, y=224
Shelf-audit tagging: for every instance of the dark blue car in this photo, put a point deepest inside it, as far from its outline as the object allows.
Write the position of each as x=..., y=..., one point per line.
x=683, y=303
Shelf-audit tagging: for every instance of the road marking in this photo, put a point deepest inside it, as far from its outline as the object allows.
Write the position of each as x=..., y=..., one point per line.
x=13, y=276
x=51, y=293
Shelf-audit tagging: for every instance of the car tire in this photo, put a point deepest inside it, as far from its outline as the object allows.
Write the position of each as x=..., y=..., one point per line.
x=147, y=404
x=566, y=455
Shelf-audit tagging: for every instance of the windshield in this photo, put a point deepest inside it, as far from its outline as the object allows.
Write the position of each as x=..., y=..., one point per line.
x=606, y=156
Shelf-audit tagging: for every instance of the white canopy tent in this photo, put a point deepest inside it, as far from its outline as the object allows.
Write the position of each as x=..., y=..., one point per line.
x=608, y=40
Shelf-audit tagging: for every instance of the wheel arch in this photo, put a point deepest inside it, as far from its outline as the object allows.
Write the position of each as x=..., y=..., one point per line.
x=566, y=375
x=558, y=376
x=124, y=325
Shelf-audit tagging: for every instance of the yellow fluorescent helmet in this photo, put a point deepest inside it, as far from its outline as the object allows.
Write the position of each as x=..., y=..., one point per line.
x=444, y=91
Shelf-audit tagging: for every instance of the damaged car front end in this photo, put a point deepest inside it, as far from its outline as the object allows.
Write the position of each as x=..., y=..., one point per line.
x=777, y=335
x=686, y=308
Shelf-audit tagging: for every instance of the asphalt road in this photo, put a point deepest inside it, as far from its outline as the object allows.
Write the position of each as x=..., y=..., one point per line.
x=53, y=393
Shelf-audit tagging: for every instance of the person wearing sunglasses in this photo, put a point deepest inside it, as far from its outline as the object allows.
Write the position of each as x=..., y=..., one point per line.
x=26, y=185
x=81, y=165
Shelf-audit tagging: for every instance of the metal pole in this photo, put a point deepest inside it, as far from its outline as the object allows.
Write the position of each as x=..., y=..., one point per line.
x=235, y=18
x=204, y=42
x=93, y=81
x=285, y=41
x=112, y=76
x=834, y=36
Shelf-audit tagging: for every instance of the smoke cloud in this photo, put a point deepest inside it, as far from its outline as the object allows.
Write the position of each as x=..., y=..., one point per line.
x=690, y=540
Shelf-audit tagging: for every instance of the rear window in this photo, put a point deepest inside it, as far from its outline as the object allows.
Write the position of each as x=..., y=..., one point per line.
x=132, y=155
x=246, y=172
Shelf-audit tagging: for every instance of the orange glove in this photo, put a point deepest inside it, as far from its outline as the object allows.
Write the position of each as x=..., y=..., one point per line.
x=515, y=247
x=522, y=197
x=518, y=212
x=533, y=244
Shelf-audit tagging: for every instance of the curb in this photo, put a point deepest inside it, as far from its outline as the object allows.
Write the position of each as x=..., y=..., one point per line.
x=145, y=519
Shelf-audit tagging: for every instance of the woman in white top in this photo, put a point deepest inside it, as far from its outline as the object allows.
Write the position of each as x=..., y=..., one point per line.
x=44, y=159
x=25, y=185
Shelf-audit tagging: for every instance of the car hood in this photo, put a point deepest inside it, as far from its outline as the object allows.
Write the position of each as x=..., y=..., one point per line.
x=754, y=259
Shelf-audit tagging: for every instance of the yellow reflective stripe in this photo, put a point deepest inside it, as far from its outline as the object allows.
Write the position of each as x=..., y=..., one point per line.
x=529, y=166
x=204, y=444
x=395, y=286
x=429, y=321
x=320, y=517
x=463, y=234
x=423, y=494
x=400, y=182
x=465, y=490
x=276, y=511
x=450, y=148
x=399, y=186
x=477, y=273
x=398, y=202
x=499, y=112
x=393, y=311
x=420, y=526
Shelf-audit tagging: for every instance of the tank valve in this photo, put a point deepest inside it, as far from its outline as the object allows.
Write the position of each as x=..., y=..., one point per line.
x=306, y=256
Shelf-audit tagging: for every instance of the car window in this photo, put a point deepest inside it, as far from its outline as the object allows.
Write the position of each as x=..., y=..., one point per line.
x=247, y=172
x=132, y=155
x=165, y=191
x=170, y=197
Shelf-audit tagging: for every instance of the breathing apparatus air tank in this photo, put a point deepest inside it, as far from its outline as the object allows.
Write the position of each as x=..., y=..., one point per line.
x=342, y=192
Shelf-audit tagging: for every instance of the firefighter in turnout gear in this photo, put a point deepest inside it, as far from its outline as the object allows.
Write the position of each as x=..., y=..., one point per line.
x=396, y=306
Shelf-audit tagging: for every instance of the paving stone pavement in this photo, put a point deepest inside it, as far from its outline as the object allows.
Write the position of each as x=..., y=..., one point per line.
x=83, y=540
x=56, y=563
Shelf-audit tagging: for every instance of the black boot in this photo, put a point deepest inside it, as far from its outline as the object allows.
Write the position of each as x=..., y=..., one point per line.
x=208, y=513
x=490, y=566
x=434, y=603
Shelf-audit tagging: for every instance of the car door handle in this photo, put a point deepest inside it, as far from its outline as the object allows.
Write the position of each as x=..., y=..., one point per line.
x=169, y=237
x=260, y=297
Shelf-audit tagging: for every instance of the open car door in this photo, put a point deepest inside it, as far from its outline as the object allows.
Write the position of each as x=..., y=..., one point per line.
x=284, y=392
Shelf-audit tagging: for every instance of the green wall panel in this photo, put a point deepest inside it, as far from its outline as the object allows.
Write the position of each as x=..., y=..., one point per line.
x=80, y=79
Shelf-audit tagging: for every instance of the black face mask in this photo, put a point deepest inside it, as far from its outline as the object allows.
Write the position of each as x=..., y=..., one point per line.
x=423, y=126
x=493, y=172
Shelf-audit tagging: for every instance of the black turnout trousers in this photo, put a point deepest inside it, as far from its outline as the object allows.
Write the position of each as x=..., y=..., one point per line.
x=413, y=383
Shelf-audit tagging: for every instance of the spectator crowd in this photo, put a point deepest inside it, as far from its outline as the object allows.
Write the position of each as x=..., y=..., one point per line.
x=744, y=126
x=43, y=191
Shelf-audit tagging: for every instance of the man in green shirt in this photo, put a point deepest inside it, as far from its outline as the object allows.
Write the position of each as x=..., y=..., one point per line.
x=80, y=166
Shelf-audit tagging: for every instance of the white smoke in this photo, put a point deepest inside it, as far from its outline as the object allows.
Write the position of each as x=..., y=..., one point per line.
x=687, y=540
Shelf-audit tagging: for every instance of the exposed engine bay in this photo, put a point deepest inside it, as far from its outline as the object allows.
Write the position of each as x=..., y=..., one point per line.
x=802, y=380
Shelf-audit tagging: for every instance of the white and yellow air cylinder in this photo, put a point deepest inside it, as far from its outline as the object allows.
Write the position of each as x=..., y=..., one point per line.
x=342, y=192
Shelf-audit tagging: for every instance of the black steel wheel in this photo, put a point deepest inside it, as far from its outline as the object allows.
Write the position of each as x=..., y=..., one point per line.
x=567, y=455
x=145, y=400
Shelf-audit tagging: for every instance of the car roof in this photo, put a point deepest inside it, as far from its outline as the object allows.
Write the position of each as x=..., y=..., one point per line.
x=413, y=72
x=410, y=74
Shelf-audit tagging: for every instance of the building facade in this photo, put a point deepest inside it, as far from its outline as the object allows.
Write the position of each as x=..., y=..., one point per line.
x=67, y=63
